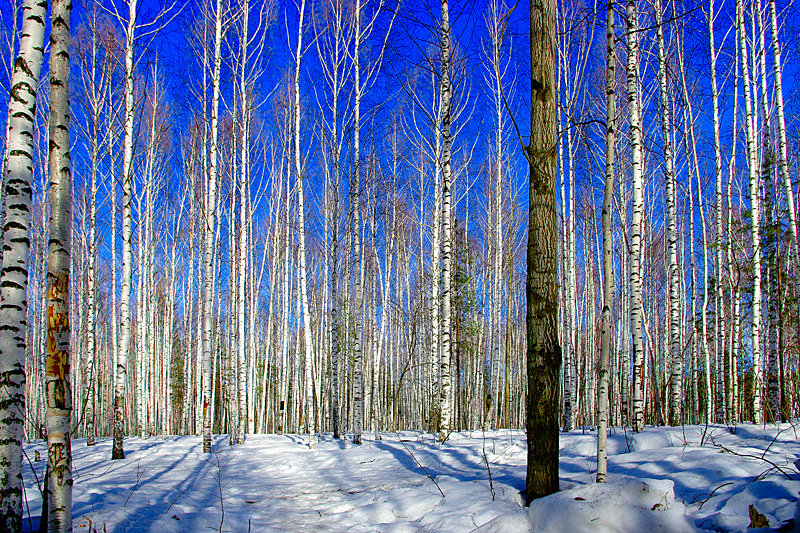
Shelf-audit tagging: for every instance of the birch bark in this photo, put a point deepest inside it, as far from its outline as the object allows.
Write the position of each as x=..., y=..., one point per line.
x=335, y=70
x=719, y=305
x=755, y=210
x=608, y=245
x=58, y=382
x=733, y=284
x=16, y=243
x=209, y=233
x=446, y=91
x=783, y=159
x=244, y=147
x=355, y=199
x=121, y=372
x=674, y=319
x=309, y=389
x=497, y=27
x=637, y=214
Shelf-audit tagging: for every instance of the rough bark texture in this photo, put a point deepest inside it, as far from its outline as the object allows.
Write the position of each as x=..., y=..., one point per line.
x=14, y=275
x=541, y=289
x=58, y=392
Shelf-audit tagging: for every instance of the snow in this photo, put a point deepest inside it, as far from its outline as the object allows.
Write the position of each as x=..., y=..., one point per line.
x=661, y=480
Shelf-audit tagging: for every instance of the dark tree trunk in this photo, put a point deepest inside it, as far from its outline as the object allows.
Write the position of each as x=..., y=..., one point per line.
x=544, y=351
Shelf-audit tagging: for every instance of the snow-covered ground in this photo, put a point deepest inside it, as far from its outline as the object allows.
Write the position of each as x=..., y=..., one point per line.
x=671, y=480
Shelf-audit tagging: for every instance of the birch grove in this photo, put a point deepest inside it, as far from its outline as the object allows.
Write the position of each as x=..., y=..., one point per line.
x=357, y=217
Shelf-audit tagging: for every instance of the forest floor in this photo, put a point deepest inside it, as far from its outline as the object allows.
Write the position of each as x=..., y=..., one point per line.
x=663, y=479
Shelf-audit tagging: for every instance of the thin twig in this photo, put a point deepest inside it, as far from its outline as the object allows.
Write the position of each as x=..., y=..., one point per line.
x=419, y=464
x=138, y=477
x=25, y=498
x=35, y=475
x=776, y=467
x=712, y=494
x=778, y=434
x=703, y=436
x=218, y=464
x=488, y=470
x=186, y=489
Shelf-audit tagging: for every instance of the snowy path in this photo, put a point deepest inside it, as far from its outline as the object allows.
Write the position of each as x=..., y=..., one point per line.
x=275, y=483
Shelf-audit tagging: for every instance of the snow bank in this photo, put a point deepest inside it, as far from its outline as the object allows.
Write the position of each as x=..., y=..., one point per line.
x=624, y=504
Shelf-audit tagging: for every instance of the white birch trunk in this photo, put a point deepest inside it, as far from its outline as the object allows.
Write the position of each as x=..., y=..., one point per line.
x=284, y=385
x=243, y=179
x=767, y=161
x=494, y=339
x=637, y=215
x=309, y=389
x=355, y=199
x=732, y=358
x=334, y=69
x=95, y=91
x=694, y=169
x=209, y=233
x=16, y=242
x=446, y=92
x=112, y=192
x=608, y=246
x=755, y=209
x=58, y=381
x=436, y=252
x=263, y=416
x=783, y=159
x=120, y=386
x=674, y=320
x=720, y=243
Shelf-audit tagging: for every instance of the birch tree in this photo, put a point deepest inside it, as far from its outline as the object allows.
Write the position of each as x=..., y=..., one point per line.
x=498, y=68
x=58, y=380
x=332, y=43
x=363, y=27
x=637, y=327
x=446, y=114
x=16, y=241
x=734, y=286
x=95, y=81
x=783, y=158
x=133, y=34
x=210, y=230
x=608, y=246
x=298, y=172
x=755, y=212
x=121, y=371
x=9, y=44
x=244, y=174
x=673, y=281
x=719, y=217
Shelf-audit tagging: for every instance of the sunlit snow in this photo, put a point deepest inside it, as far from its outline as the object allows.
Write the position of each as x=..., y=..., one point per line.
x=664, y=479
